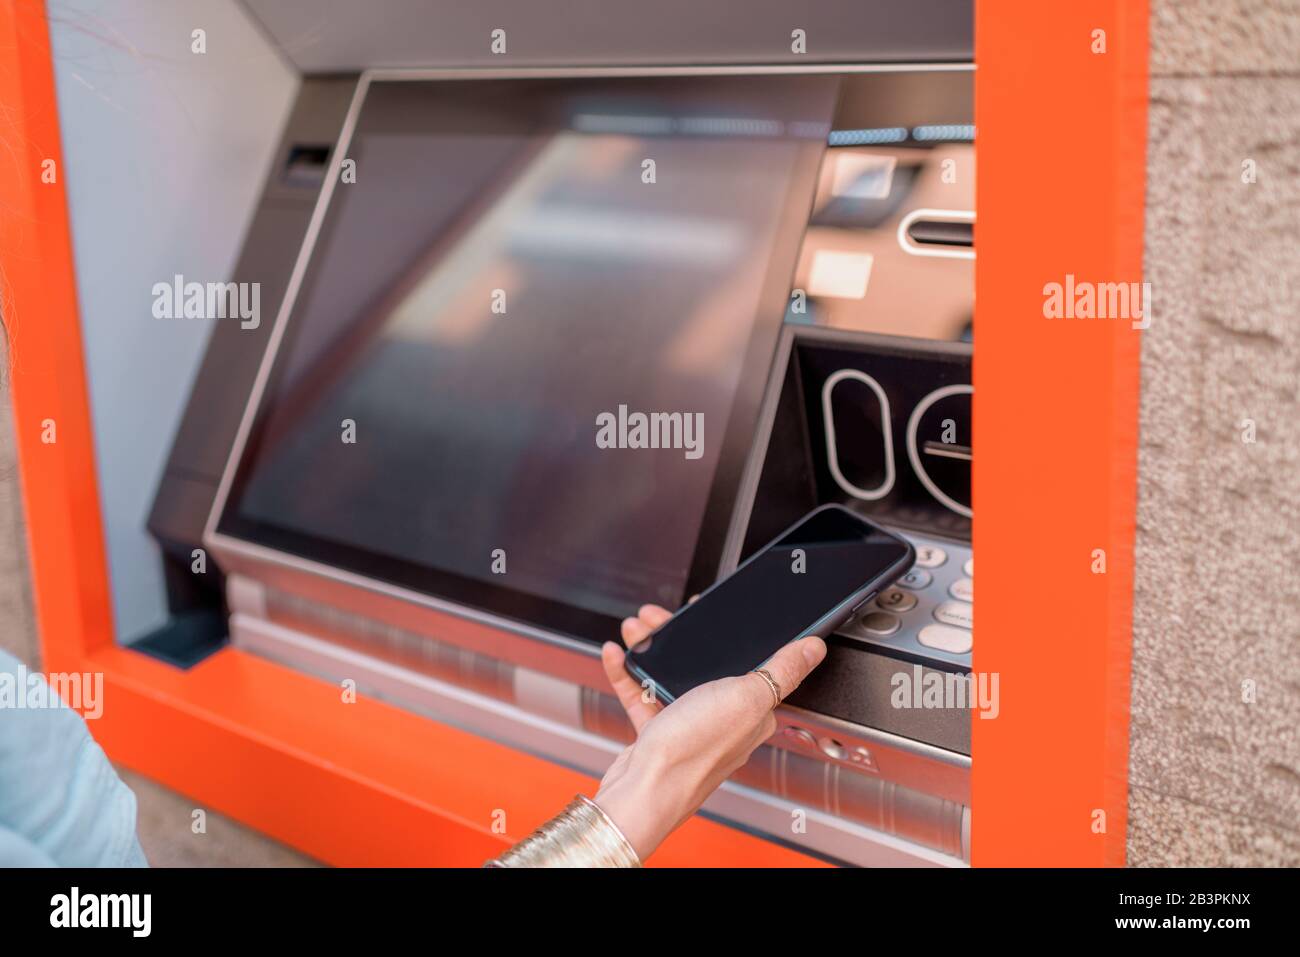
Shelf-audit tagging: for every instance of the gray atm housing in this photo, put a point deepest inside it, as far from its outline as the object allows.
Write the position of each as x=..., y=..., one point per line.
x=871, y=794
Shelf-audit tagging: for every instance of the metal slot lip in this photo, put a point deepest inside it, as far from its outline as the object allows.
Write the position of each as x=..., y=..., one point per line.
x=936, y=217
x=944, y=451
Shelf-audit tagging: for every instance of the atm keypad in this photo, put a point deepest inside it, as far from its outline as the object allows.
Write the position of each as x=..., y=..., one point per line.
x=896, y=600
x=954, y=613
x=916, y=579
x=929, y=611
x=944, y=638
x=930, y=556
x=879, y=623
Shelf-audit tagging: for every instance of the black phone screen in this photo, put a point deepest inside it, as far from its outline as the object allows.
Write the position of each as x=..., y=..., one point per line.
x=813, y=573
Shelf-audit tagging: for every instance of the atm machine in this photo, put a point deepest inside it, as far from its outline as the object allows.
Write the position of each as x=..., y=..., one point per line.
x=396, y=474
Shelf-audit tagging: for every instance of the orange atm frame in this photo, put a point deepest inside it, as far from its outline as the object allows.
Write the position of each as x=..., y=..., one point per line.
x=1062, y=146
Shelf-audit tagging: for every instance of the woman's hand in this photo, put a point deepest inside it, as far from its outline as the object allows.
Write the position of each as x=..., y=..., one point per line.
x=685, y=750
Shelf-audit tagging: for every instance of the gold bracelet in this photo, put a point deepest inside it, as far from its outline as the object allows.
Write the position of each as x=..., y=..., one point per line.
x=582, y=835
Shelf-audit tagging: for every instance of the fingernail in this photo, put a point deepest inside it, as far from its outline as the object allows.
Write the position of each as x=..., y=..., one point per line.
x=814, y=650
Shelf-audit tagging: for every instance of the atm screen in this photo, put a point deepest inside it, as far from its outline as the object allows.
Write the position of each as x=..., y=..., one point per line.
x=517, y=290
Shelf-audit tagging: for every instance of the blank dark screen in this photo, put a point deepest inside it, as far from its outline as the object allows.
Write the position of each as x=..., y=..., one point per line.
x=502, y=271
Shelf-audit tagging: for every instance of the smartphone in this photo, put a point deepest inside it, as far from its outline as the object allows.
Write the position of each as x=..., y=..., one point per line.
x=809, y=580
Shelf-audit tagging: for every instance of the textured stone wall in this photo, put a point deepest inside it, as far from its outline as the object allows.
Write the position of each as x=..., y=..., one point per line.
x=1215, y=779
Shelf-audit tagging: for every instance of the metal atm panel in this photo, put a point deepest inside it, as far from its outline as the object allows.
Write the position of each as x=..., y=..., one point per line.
x=889, y=794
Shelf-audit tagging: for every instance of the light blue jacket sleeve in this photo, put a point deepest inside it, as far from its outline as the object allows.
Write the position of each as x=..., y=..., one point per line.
x=61, y=802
